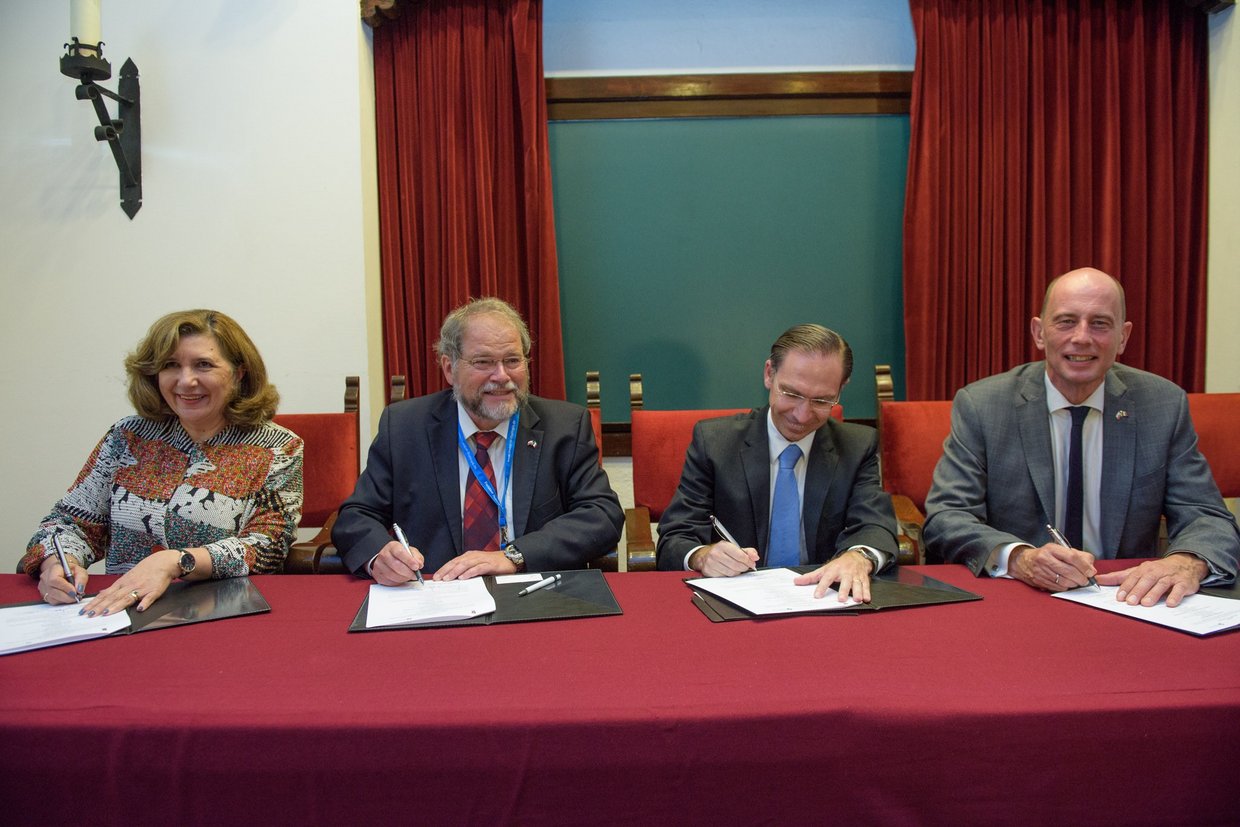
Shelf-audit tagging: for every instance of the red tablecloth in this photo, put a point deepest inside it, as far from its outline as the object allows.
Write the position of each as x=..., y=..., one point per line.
x=1018, y=708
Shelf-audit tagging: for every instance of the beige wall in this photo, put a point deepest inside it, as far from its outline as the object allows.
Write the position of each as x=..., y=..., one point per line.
x=1223, y=319
x=258, y=178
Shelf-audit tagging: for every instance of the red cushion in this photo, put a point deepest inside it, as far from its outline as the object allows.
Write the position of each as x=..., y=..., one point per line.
x=1214, y=417
x=330, y=462
x=911, y=443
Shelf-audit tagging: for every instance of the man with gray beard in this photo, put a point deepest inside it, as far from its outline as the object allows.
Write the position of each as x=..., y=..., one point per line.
x=482, y=478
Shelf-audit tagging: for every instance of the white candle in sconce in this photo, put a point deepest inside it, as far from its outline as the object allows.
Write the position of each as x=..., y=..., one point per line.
x=84, y=21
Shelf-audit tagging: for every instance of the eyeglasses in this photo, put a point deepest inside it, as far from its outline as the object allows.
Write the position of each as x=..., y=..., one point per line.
x=815, y=403
x=512, y=364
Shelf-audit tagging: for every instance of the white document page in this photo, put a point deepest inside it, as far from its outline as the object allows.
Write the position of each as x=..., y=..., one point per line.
x=33, y=627
x=770, y=592
x=429, y=602
x=1200, y=614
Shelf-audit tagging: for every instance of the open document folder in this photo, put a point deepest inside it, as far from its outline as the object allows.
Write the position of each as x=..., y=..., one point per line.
x=482, y=601
x=1197, y=614
x=37, y=625
x=769, y=593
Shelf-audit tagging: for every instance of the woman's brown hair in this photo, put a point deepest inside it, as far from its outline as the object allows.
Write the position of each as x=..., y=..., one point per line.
x=256, y=399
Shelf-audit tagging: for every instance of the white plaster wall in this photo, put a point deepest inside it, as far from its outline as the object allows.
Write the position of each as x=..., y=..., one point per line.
x=1223, y=332
x=257, y=145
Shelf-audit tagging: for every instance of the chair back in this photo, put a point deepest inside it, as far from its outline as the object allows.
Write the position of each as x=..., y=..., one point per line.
x=594, y=404
x=330, y=461
x=1214, y=417
x=911, y=436
x=660, y=441
x=596, y=425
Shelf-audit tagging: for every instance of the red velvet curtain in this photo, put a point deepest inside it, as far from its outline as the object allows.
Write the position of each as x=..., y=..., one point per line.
x=1048, y=135
x=464, y=179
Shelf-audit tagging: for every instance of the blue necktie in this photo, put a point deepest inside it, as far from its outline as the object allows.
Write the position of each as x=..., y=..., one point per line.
x=785, y=547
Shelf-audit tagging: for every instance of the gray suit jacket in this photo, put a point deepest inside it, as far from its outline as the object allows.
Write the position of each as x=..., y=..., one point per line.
x=564, y=511
x=728, y=473
x=994, y=483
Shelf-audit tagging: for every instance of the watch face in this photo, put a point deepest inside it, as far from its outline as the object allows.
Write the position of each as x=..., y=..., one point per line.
x=188, y=562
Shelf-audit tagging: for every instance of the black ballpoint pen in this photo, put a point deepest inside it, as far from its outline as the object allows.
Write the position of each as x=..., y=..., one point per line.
x=1063, y=541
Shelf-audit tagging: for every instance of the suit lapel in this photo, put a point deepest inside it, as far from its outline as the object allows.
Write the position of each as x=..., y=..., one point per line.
x=444, y=450
x=756, y=460
x=1035, y=438
x=1119, y=447
x=823, y=459
x=525, y=459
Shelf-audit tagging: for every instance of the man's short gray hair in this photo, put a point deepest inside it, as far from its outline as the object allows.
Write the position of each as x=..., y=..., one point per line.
x=452, y=333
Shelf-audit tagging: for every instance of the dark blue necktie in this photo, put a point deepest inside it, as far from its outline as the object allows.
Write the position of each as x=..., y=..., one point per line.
x=1074, y=501
x=785, y=547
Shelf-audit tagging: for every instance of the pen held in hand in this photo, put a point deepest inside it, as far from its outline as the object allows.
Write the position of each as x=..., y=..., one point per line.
x=541, y=584
x=1063, y=541
x=400, y=535
x=725, y=534
x=64, y=564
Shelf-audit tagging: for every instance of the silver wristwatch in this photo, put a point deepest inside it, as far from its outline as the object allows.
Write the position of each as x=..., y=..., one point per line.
x=517, y=558
x=875, y=561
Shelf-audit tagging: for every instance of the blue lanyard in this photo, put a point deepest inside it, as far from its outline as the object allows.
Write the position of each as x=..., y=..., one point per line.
x=510, y=445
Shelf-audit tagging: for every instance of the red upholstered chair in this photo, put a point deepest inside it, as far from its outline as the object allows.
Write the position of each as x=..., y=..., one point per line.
x=910, y=439
x=329, y=471
x=595, y=406
x=660, y=442
x=1214, y=418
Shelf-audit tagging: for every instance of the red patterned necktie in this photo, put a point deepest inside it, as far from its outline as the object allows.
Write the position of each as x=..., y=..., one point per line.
x=481, y=513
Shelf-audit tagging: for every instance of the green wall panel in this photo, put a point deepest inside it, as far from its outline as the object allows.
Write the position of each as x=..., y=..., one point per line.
x=686, y=246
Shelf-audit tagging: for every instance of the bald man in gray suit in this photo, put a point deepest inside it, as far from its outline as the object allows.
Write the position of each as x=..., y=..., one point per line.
x=1002, y=477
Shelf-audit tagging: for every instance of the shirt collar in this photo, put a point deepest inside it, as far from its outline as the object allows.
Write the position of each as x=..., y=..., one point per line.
x=1056, y=401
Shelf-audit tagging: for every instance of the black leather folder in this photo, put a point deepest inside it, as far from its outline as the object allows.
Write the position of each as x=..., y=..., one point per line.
x=579, y=593
x=897, y=589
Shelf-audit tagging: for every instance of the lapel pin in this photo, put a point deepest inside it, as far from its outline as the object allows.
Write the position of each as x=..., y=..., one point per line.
x=532, y=444
x=1120, y=415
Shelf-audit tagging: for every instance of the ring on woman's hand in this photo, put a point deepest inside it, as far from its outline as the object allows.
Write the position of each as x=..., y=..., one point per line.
x=134, y=594
x=1056, y=581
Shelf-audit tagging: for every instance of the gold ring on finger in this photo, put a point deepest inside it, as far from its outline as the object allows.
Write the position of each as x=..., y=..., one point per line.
x=133, y=594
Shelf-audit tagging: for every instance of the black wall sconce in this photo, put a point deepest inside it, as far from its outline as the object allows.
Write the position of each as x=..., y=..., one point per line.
x=84, y=61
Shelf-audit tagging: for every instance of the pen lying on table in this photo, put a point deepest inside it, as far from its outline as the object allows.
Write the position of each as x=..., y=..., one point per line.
x=1063, y=541
x=541, y=584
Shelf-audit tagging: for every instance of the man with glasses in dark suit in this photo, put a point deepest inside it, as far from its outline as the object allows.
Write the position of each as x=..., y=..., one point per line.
x=789, y=484
x=483, y=478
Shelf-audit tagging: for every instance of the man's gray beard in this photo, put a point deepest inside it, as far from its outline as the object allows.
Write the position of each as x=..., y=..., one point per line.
x=495, y=413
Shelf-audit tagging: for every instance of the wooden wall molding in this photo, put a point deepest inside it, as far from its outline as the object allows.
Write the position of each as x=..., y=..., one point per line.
x=728, y=96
